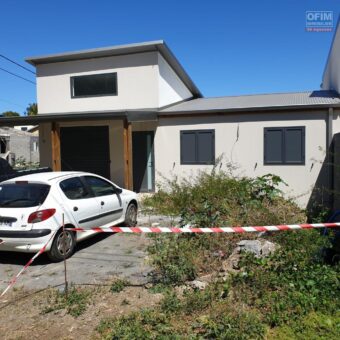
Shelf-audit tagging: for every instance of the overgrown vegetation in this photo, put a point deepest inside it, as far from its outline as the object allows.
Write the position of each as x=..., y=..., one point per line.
x=293, y=293
x=213, y=199
x=218, y=199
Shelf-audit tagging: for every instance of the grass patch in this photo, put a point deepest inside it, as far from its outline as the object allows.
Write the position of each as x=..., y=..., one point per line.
x=313, y=326
x=118, y=286
x=75, y=302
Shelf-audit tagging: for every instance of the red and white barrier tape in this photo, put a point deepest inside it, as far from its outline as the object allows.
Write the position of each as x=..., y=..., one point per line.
x=15, y=278
x=115, y=229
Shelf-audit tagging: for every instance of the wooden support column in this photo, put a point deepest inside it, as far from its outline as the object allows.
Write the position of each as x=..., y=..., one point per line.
x=55, y=141
x=127, y=136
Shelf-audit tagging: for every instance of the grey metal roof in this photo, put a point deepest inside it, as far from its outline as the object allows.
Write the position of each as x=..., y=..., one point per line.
x=255, y=102
x=259, y=102
x=150, y=46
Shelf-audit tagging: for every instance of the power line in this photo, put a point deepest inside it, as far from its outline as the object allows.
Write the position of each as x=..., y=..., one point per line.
x=16, y=75
x=15, y=63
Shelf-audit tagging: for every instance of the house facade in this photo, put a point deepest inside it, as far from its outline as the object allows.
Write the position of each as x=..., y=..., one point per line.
x=132, y=114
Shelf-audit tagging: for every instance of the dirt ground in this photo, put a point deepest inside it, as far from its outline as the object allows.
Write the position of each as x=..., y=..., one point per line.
x=25, y=316
x=98, y=261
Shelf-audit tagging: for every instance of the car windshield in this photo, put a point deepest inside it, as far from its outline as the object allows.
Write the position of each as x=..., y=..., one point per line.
x=22, y=195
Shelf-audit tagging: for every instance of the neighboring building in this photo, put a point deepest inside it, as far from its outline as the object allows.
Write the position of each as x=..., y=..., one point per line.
x=331, y=81
x=29, y=128
x=131, y=113
x=17, y=145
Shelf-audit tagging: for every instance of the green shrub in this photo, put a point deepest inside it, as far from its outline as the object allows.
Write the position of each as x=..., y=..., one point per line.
x=217, y=199
x=173, y=257
x=171, y=303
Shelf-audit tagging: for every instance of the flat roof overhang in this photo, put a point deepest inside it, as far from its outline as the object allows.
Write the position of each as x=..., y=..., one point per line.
x=130, y=116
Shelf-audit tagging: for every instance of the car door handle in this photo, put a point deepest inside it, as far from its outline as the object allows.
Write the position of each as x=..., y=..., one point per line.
x=102, y=203
x=75, y=208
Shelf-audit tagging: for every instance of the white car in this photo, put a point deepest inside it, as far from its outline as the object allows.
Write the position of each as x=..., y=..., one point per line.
x=32, y=209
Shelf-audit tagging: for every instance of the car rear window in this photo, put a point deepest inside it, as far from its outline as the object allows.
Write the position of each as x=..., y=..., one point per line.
x=23, y=195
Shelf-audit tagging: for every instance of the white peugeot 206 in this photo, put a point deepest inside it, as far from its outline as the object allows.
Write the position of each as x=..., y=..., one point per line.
x=32, y=209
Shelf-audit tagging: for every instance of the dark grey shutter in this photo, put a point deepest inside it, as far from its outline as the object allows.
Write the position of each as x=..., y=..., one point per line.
x=205, y=147
x=295, y=145
x=188, y=147
x=273, y=145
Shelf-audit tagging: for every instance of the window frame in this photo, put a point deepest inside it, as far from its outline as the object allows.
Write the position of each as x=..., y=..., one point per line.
x=197, y=162
x=283, y=145
x=73, y=96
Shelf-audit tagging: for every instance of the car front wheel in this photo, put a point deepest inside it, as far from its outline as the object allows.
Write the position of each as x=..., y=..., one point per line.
x=131, y=215
x=63, y=246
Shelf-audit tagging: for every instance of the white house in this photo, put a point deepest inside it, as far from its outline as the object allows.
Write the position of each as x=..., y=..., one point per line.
x=131, y=113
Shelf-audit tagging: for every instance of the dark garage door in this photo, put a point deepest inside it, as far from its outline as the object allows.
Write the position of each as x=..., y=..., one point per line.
x=85, y=148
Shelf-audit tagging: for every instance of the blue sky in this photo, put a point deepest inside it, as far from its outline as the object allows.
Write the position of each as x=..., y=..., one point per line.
x=227, y=47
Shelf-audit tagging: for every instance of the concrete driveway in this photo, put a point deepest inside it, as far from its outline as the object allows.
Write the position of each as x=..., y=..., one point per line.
x=97, y=260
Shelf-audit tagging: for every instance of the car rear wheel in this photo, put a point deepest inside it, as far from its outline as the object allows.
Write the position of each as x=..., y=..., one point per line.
x=63, y=246
x=131, y=215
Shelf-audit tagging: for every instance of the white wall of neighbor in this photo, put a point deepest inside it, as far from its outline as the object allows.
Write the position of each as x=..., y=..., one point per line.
x=331, y=77
x=137, y=79
x=246, y=151
x=171, y=88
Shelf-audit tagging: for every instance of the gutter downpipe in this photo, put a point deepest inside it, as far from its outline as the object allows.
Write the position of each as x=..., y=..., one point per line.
x=330, y=155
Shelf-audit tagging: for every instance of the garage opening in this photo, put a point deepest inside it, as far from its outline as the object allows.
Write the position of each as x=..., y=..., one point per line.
x=85, y=148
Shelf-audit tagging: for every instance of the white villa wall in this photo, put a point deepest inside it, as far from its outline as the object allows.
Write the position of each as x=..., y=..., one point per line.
x=137, y=79
x=171, y=88
x=331, y=76
x=246, y=150
x=144, y=80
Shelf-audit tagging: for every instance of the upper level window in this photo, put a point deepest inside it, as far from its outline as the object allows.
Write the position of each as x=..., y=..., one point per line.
x=94, y=85
x=198, y=147
x=284, y=145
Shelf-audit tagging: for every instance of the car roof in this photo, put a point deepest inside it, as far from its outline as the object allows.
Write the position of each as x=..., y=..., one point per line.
x=48, y=177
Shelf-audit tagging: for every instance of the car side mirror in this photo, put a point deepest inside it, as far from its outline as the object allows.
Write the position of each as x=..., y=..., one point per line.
x=118, y=190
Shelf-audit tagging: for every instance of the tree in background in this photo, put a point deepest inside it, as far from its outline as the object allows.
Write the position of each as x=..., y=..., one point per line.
x=31, y=110
x=10, y=114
